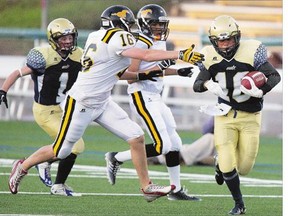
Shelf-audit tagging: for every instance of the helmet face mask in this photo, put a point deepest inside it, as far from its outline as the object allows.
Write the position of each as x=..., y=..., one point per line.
x=153, y=22
x=117, y=16
x=224, y=28
x=59, y=28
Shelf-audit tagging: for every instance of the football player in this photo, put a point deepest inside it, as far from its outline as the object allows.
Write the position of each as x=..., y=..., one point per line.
x=105, y=60
x=147, y=105
x=53, y=68
x=237, y=127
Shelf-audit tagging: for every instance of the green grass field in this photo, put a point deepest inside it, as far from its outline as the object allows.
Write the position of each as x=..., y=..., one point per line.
x=262, y=188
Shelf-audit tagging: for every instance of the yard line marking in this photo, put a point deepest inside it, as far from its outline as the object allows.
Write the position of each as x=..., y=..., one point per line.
x=124, y=194
x=126, y=173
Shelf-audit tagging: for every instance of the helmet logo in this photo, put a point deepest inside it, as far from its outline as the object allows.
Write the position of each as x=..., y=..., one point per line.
x=145, y=12
x=121, y=14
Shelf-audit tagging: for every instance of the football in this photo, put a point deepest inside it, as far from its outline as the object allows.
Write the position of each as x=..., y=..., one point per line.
x=253, y=76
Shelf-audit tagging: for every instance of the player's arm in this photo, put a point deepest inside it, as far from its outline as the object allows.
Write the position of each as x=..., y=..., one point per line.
x=261, y=64
x=10, y=80
x=202, y=78
x=186, y=55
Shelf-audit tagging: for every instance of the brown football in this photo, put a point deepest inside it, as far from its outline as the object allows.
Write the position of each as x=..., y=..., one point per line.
x=253, y=76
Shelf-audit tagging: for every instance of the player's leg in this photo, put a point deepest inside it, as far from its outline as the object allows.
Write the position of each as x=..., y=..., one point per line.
x=64, y=168
x=72, y=128
x=226, y=141
x=49, y=119
x=172, y=157
x=116, y=120
x=248, y=142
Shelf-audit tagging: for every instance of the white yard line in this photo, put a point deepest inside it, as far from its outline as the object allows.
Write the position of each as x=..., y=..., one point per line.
x=125, y=173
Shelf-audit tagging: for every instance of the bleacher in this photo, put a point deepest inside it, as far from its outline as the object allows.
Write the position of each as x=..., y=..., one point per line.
x=256, y=20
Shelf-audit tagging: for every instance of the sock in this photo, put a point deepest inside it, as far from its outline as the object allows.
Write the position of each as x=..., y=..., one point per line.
x=150, y=150
x=123, y=156
x=173, y=167
x=126, y=155
x=64, y=168
x=233, y=182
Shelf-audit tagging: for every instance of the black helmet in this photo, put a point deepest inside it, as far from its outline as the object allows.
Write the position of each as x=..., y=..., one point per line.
x=117, y=16
x=222, y=28
x=153, y=14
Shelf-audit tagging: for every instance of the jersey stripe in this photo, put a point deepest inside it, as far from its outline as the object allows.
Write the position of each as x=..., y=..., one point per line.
x=109, y=34
x=146, y=41
x=69, y=108
x=143, y=112
x=119, y=74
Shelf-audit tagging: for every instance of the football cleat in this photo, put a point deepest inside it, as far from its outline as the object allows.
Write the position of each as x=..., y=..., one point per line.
x=16, y=176
x=112, y=166
x=63, y=190
x=152, y=191
x=182, y=195
x=238, y=210
x=44, y=173
x=218, y=174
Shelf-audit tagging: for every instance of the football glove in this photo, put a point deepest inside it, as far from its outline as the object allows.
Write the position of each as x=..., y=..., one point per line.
x=3, y=98
x=191, y=57
x=253, y=92
x=185, y=72
x=214, y=87
x=166, y=63
x=150, y=75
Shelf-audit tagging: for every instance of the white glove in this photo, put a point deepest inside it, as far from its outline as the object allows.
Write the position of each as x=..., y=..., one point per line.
x=253, y=92
x=215, y=110
x=214, y=87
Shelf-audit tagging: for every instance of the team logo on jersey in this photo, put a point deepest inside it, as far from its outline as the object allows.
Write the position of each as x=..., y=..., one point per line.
x=231, y=68
x=121, y=14
x=215, y=58
x=65, y=66
x=145, y=12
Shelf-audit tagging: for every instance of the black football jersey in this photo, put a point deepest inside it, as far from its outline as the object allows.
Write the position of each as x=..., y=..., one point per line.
x=250, y=55
x=52, y=75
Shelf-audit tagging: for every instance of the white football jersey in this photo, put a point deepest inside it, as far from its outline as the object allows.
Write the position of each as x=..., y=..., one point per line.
x=102, y=66
x=145, y=42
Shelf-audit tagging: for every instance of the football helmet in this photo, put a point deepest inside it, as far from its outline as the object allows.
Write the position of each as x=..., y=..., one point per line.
x=58, y=28
x=222, y=28
x=117, y=16
x=148, y=17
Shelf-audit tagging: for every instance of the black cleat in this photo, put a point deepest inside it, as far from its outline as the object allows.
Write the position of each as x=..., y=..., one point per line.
x=238, y=210
x=182, y=195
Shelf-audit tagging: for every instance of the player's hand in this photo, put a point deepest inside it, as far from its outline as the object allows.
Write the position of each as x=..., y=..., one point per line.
x=254, y=91
x=166, y=63
x=3, y=98
x=191, y=57
x=150, y=75
x=214, y=87
x=185, y=72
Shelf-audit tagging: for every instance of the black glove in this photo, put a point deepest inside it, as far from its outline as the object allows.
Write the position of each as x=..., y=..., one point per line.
x=166, y=63
x=3, y=98
x=149, y=75
x=185, y=72
x=191, y=57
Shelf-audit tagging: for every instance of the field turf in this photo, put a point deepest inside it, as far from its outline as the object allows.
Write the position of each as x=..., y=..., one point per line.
x=262, y=188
